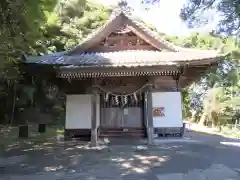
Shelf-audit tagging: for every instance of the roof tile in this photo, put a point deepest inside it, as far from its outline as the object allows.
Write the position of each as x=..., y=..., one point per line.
x=129, y=58
x=125, y=58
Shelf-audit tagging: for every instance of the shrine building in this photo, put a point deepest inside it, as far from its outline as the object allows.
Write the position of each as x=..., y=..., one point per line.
x=124, y=80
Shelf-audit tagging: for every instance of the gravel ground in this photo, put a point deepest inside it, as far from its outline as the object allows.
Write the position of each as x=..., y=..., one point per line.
x=196, y=156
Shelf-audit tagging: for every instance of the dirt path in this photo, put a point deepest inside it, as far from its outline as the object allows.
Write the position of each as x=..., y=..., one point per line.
x=166, y=161
x=193, y=133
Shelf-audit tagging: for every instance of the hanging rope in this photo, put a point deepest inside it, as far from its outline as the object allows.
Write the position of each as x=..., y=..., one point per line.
x=116, y=99
x=129, y=94
x=125, y=99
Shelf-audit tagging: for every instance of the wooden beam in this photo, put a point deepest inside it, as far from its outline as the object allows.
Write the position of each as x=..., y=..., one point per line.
x=121, y=48
x=149, y=116
x=146, y=37
x=94, y=133
x=99, y=36
x=176, y=78
x=160, y=68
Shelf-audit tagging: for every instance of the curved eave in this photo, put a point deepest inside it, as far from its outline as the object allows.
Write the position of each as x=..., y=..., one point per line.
x=133, y=58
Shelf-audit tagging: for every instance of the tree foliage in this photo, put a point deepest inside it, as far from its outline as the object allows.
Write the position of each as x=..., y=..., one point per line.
x=229, y=10
x=47, y=26
x=217, y=92
x=20, y=23
x=39, y=27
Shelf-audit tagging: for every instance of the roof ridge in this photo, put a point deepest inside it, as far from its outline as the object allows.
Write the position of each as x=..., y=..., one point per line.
x=99, y=29
x=155, y=35
x=137, y=23
x=151, y=32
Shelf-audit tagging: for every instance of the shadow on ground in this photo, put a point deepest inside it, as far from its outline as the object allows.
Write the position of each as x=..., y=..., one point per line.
x=130, y=159
x=211, y=138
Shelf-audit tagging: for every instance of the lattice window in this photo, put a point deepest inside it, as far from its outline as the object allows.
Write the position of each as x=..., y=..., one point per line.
x=142, y=42
x=102, y=43
x=133, y=41
x=112, y=42
x=130, y=34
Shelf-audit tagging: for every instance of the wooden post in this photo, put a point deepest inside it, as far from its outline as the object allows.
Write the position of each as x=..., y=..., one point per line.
x=149, y=117
x=94, y=134
x=177, y=79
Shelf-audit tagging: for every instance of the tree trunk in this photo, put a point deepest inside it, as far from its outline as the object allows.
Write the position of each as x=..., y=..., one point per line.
x=214, y=118
x=193, y=116
x=203, y=119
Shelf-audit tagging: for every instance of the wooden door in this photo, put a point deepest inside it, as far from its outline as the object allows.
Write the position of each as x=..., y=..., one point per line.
x=111, y=117
x=132, y=117
x=128, y=115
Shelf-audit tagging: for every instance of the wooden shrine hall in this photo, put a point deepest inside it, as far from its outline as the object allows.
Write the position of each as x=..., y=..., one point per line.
x=125, y=80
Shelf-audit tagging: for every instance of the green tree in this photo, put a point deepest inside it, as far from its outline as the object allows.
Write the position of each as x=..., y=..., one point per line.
x=20, y=23
x=206, y=91
x=70, y=22
x=58, y=26
x=41, y=27
x=228, y=9
x=20, y=28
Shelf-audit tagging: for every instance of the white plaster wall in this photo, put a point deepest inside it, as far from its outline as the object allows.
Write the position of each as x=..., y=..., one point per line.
x=78, y=111
x=172, y=103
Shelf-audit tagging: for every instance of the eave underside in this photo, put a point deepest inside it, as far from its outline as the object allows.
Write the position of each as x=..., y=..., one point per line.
x=116, y=72
x=187, y=74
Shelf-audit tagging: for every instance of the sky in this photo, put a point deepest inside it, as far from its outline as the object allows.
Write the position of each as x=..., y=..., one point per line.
x=165, y=16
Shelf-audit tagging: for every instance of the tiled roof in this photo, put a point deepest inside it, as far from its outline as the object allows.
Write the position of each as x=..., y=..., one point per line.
x=126, y=58
x=155, y=35
x=136, y=26
x=80, y=57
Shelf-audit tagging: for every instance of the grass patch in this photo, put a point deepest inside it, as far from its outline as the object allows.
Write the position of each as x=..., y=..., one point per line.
x=60, y=131
x=225, y=131
x=231, y=132
x=9, y=136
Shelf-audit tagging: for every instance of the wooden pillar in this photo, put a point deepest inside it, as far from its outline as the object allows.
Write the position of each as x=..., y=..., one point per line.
x=177, y=79
x=94, y=134
x=149, y=116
